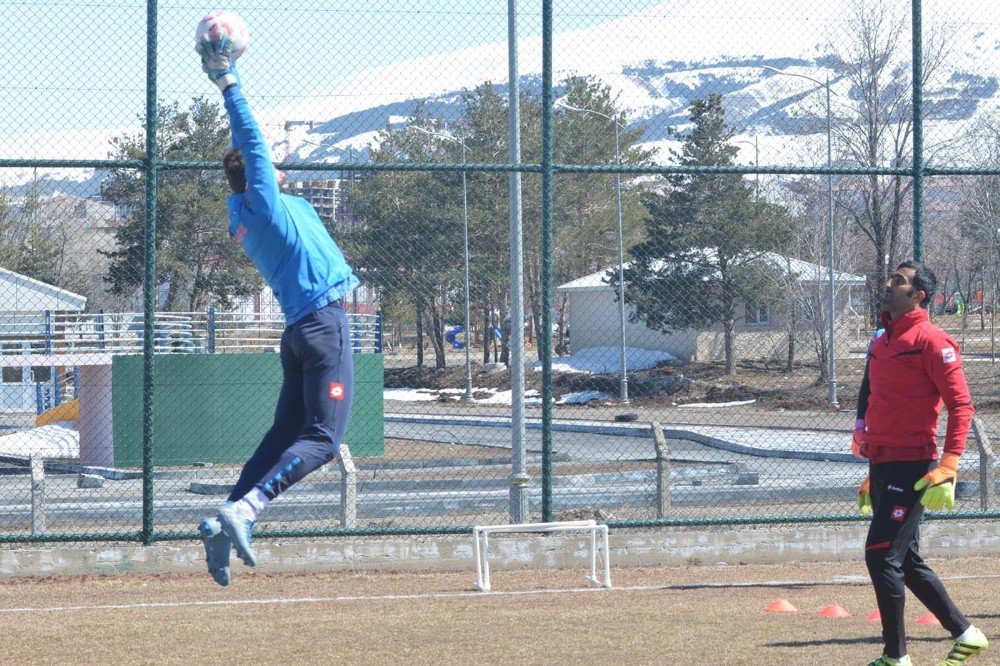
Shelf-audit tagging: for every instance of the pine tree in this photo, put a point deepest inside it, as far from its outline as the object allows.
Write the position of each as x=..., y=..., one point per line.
x=196, y=258
x=706, y=236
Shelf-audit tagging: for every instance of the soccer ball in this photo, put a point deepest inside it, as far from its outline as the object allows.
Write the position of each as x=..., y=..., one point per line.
x=224, y=23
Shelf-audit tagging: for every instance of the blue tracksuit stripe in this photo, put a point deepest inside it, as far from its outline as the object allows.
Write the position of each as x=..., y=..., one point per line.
x=276, y=479
x=282, y=234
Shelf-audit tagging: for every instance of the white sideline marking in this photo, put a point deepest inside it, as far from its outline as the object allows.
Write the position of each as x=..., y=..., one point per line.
x=458, y=595
x=320, y=600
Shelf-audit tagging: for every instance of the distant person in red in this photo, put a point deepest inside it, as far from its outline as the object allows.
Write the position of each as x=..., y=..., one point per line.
x=913, y=368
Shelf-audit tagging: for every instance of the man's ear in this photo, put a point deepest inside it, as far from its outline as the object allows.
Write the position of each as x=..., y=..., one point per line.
x=921, y=295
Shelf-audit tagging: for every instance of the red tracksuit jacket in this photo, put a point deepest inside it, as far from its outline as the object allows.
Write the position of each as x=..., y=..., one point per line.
x=913, y=368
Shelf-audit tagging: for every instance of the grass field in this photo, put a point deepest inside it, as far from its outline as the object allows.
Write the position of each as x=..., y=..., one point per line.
x=689, y=615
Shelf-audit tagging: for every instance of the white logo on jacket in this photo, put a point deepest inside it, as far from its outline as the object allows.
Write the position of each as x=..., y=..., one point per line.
x=948, y=355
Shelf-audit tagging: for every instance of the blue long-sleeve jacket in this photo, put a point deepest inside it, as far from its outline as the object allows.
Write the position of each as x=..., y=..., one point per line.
x=282, y=234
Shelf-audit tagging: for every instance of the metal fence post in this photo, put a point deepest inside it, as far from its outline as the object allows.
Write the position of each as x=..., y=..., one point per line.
x=987, y=462
x=211, y=329
x=662, y=470
x=56, y=388
x=545, y=335
x=48, y=331
x=355, y=334
x=348, y=487
x=149, y=273
x=37, y=494
x=100, y=329
x=916, y=18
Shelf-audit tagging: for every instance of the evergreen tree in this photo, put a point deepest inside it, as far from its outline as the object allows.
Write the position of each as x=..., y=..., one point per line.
x=26, y=247
x=196, y=258
x=706, y=236
x=408, y=237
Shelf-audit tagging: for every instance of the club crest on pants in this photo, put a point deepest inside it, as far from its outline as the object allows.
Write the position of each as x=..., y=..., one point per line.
x=336, y=391
x=898, y=513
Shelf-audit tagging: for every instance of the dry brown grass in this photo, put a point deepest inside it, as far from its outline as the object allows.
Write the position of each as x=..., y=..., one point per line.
x=655, y=615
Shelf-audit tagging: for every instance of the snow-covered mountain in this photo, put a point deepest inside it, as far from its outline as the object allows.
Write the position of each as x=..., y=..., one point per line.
x=657, y=61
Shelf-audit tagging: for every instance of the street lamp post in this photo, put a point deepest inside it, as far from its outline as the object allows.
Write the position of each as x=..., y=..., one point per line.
x=465, y=240
x=756, y=160
x=623, y=375
x=832, y=395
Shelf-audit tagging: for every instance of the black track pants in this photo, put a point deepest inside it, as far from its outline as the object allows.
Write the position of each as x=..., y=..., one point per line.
x=891, y=553
x=313, y=406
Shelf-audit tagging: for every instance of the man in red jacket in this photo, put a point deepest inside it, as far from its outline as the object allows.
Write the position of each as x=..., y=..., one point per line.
x=913, y=368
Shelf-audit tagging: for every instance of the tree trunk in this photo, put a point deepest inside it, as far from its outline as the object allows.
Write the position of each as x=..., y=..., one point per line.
x=487, y=334
x=420, y=336
x=505, y=329
x=535, y=302
x=437, y=339
x=728, y=322
x=171, y=294
x=561, y=346
x=730, y=336
x=876, y=286
x=790, y=364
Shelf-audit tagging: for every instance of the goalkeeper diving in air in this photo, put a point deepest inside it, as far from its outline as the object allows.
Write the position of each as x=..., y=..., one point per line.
x=913, y=368
x=295, y=254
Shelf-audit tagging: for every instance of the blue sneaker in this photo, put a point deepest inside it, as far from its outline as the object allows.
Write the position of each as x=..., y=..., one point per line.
x=217, y=546
x=240, y=532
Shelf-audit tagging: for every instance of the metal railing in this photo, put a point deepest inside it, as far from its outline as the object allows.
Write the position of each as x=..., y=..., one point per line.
x=212, y=331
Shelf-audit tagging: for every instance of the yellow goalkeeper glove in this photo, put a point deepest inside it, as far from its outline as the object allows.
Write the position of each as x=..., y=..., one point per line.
x=940, y=484
x=865, y=497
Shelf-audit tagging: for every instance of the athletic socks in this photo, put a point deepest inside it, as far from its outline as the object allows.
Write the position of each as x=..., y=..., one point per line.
x=968, y=634
x=251, y=505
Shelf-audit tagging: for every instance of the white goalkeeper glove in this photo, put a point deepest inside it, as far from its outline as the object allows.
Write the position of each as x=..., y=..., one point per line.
x=217, y=59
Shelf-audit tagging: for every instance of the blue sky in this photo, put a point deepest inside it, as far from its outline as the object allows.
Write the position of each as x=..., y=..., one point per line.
x=73, y=65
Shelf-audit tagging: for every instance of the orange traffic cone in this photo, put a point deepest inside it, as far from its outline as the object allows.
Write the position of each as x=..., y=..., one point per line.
x=780, y=606
x=874, y=616
x=929, y=619
x=834, y=612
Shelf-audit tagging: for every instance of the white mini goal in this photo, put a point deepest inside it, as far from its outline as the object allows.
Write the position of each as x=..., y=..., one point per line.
x=480, y=533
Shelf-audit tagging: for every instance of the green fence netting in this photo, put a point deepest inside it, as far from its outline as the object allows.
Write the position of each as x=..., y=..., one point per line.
x=710, y=196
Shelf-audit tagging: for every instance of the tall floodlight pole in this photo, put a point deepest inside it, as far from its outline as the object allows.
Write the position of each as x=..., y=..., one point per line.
x=623, y=374
x=832, y=392
x=519, y=478
x=465, y=240
x=350, y=209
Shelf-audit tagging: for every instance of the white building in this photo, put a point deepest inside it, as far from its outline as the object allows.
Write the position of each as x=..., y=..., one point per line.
x=761, y=328
x=23, y=305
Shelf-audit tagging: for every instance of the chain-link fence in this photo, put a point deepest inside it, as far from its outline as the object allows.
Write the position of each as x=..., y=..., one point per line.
x=709, y=195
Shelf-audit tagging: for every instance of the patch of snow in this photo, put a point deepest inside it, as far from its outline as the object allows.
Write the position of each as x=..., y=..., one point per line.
x=582, y=397
x=409, y=395
x=55, y=440
x=738, y=403
x=531, y=398
x=607, y=360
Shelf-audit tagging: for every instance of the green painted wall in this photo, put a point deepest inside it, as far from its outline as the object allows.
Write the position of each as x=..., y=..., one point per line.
x=217, y=407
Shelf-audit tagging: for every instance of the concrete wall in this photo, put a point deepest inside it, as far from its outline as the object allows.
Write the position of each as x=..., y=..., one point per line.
x=670, y=546
x=594, y=322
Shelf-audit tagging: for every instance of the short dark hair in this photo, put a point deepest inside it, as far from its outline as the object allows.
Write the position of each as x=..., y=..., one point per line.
x=232, y=163
x=923, y=280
